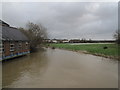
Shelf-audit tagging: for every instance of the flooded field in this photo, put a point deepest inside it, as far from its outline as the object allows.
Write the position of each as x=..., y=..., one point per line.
x=55, y=68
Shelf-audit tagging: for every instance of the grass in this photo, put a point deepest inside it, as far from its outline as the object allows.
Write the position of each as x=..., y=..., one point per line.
x=96, y=49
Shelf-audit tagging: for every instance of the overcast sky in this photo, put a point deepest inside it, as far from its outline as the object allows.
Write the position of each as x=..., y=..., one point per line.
x=66, y=20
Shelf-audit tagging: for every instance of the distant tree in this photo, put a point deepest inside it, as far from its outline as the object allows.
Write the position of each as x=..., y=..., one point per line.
x=36, y=33
x=117, y=36
x=83, y=40
x=90, y=40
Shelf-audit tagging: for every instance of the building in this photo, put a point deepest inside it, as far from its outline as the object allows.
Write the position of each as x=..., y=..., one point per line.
x=65, y=41
x=13, y=42
x=54, y=41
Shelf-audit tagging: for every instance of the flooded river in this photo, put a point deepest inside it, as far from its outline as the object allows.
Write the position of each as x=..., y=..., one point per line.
x=55, y=68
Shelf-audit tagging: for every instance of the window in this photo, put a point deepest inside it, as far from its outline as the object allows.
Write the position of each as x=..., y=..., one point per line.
x=1, y=48
x=12, y=47
x=20, y=46
x=26, y=45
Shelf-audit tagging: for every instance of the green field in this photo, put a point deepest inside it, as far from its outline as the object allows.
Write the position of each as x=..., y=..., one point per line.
x=96, y=49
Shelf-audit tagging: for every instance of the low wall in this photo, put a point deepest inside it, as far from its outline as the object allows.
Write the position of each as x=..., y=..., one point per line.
x=13, y=55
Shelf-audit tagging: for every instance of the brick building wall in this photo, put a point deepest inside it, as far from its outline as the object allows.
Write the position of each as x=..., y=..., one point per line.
x=15, y=47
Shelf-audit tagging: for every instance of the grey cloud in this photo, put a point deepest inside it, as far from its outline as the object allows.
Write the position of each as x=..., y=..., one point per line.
x=66, y=20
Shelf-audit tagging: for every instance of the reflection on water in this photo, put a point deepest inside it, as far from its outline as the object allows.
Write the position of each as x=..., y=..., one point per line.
x=60, y=69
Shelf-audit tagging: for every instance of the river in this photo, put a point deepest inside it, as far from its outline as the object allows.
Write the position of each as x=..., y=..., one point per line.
x=55, y=68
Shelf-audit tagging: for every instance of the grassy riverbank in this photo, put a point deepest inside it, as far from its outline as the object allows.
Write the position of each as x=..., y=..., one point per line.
x=95, y=49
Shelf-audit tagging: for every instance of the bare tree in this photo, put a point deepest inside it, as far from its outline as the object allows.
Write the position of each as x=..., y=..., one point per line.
x=36, y=33
x=117, y=36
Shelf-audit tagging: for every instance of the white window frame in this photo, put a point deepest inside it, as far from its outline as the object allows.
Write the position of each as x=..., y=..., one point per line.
x=12, y=47
x=20, y=46
x=1, y=48
x=26, y=45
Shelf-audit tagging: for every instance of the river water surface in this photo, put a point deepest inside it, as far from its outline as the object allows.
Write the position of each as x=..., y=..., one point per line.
x=55, y=68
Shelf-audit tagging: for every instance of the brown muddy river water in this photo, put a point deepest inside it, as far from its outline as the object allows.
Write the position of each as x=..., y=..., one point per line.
x=55, y=68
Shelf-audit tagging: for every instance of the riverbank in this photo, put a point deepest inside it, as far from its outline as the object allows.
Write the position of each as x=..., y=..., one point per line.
x=104, y=50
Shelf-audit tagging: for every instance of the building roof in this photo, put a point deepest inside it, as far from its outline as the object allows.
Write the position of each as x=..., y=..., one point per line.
x=10, y=33
x=2, y=23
